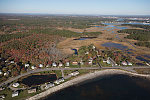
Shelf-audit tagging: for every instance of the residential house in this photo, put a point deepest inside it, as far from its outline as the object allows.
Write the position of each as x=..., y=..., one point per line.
x=90, y=61
x=12, y=62
x=40, y=65
x=129, y=63
x=124, y=63
x=49, y=85
x=32, y=90
x=6, y=73
x=59, y=80
x=54, y=64
x=15, y=93
x=67, y=64
x=15, y=84
x=26, y=65
x=2, y=88
x=60, y=64
x=74, y=73
x=74, y=63
x=1, y=72
x=33, y=67
x=2, y=97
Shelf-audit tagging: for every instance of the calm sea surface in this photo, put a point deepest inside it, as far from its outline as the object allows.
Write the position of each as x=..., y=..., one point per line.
x=115, y=87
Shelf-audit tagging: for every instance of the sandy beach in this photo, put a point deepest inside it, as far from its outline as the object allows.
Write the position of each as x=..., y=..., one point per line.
x=82, y=78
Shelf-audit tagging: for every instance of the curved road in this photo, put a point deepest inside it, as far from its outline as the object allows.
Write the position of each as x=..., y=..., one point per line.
x=48, y=69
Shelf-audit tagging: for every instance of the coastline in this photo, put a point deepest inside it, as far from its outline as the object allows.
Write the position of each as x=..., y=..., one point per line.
x=83, y=78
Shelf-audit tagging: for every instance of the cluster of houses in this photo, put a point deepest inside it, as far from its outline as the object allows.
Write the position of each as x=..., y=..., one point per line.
x=113, y=63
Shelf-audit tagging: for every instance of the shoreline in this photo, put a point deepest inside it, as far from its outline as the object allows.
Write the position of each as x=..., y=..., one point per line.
x=83, y=78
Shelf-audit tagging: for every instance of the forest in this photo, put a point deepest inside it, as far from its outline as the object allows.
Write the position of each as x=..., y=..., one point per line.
x=137, y=34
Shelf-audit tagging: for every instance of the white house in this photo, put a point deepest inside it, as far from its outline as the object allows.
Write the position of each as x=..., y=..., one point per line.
x=108, y=61
x=12, y=62
x=129, y=63
x=49, y=85
x=67, y=63
x=87, y=53
x=1, y=72
x=54, y=64
x=15, y=84
x=124, y=63
x=33, y=67
x=14, y=94
x=26, y=65
x=60, y=65
x=40, y=65
x=6, y=73
x=59, y=81
x=74, y=73
x=2, y=97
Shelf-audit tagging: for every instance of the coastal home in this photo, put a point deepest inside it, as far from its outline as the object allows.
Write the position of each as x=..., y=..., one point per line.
x=90, y=61
x=124, y=63
x=40, y=65
x=129, y=63
x=108, y=61
x=74, y=63
x=49, y=85
x=26, y=65
x=32, y=90
x=2, y=88
x=67, y=63
x=94, y=48
x=6, y=73
x=1, y=72
x=87, y=53
x=15, y=84
x=2, y=97
x=15, y=93
x=74, y=73
x=81, y=62
x=54, y=64
x=33, y=67
x=12, y=62
x=60, y=64
x=59, y=80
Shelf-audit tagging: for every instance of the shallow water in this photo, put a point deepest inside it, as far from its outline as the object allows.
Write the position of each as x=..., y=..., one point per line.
x=115, y=87
x=115, y=45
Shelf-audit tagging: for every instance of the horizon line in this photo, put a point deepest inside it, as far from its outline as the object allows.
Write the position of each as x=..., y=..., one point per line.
x=76, y=14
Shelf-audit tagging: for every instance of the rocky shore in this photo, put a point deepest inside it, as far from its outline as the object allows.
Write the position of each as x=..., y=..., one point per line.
x=82, y=78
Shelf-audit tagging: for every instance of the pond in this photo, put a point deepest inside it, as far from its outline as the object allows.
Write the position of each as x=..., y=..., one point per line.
x=75, y=51
x=84, y=38
x=115, y=45
x=38, y=79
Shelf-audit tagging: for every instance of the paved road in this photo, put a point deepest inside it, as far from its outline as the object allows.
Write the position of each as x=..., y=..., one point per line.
x=48, y=69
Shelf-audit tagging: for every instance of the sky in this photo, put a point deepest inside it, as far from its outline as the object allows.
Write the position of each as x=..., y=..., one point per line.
x=96, y=7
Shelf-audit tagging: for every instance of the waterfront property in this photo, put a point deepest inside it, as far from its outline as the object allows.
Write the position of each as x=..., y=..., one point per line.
x=32, y=90
x=15, y=93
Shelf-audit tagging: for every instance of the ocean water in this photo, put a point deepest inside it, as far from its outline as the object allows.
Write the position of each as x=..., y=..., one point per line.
x=115, y=87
